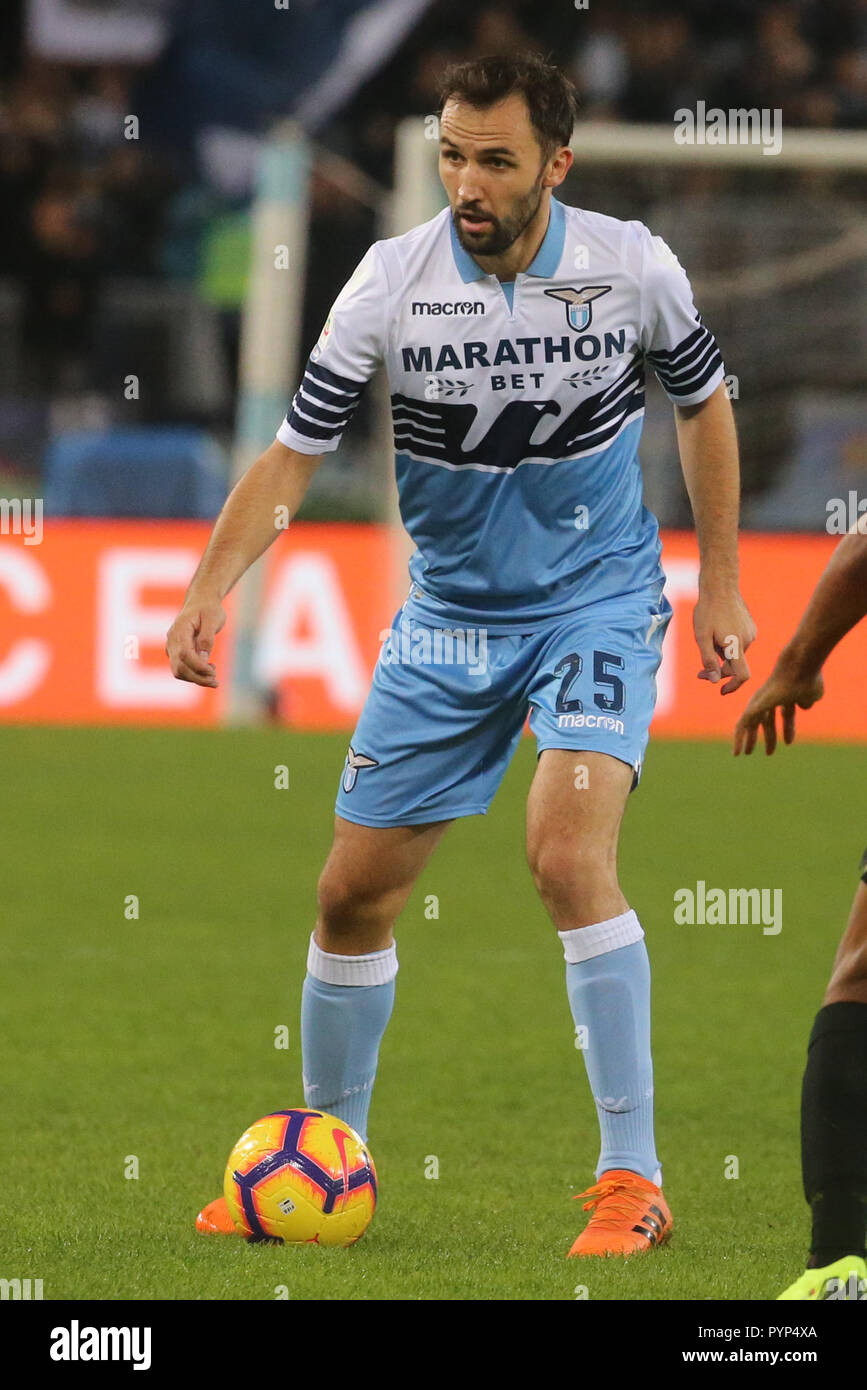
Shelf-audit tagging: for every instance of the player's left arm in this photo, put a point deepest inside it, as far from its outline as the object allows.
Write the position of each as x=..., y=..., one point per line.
x=688, y=363
x=708, y=446
x=838, y=603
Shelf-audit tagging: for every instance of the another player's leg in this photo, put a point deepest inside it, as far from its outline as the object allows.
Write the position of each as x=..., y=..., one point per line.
x=834, y=1125
x=348, y=992
x=573, y=819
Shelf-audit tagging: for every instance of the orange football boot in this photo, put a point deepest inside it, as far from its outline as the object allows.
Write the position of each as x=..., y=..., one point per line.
x=216, y=1219
x=630, y=1216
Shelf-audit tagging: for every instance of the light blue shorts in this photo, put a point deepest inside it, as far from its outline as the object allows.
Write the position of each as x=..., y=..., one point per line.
x=447, y=706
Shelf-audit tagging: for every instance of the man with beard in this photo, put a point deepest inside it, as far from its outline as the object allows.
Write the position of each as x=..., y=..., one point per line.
x=514, y=332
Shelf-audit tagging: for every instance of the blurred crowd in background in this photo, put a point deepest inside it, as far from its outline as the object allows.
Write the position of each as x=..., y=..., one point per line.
x=104, y=238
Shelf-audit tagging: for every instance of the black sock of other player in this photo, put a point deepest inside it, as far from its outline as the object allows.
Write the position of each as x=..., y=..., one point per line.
x=834, y=1132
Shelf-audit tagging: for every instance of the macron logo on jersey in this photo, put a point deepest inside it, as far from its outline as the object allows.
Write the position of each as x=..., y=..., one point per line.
x=461, y=308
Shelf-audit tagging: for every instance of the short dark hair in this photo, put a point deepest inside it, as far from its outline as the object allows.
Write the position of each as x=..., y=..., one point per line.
x=551, y=98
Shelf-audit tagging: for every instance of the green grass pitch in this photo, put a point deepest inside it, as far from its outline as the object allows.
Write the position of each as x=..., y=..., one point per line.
x=154, y=1037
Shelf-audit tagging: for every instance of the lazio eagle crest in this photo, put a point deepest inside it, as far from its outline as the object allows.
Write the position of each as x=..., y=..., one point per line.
x=579, y=303
x=354, y=761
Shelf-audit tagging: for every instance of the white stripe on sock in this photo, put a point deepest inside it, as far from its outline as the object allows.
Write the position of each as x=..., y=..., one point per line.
x=583, y=943
x=377, y=968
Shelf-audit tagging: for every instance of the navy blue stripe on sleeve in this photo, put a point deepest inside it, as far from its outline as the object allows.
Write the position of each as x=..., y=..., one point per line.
x=324, y=403
x=685, y=369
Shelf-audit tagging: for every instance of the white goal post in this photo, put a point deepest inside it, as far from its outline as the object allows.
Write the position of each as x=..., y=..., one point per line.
x=268, y=364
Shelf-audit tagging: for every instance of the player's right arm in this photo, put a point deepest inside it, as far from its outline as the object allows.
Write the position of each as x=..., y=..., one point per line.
x=257, y=508
x=837, y=604
x=349, y=350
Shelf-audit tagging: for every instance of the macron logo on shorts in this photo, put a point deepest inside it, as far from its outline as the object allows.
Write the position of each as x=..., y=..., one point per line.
x=590, y=721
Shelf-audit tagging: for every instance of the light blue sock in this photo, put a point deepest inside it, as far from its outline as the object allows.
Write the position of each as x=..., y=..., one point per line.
x=345, y=1006
x=608, y=983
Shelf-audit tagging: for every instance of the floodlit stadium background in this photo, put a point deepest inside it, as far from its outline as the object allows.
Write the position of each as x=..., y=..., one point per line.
x=153, y=155
x=159, y=882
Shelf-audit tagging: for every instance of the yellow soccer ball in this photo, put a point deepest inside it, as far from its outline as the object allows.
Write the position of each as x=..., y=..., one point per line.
x=302, y=1177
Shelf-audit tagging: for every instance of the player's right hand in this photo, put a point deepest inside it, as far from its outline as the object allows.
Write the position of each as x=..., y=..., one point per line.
x=785, y=688
x=190, y=640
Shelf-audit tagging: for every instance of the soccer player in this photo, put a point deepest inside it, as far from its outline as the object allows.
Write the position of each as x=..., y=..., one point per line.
x=834, y=1095
x=514, y=331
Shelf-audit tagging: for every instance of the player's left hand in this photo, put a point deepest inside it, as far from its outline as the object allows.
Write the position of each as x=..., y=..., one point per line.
x=786, y=687
x=723, y=630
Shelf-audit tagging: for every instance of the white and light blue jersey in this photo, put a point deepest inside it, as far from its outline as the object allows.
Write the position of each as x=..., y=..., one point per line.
x=517, y=409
